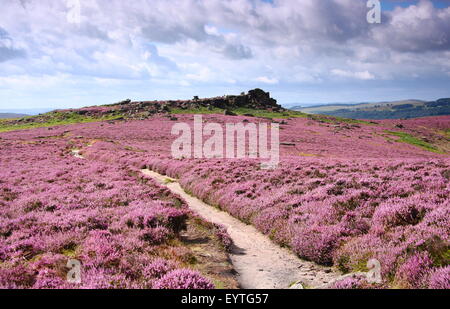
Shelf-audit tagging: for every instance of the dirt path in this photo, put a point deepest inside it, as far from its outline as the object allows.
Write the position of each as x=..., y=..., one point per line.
x=76, y=154
x=260, y=263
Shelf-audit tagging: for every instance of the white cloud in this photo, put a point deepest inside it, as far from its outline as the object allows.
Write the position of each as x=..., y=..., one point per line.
x=211, y=30
x=211, y=43
x=416, y=28
x=7, y=49
x=26, y=82
x=267, y=80
x=364, y=75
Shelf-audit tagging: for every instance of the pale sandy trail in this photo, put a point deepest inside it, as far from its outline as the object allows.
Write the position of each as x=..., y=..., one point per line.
x=260, y=263
x=76, y=154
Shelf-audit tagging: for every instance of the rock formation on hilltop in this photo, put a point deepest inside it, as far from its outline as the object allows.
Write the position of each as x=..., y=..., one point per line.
x=254, y=99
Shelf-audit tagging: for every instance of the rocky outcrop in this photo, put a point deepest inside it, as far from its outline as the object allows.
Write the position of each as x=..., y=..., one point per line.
x=254, y=99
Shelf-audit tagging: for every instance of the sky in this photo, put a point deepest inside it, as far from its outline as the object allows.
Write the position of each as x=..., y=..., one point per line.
x=302, y=51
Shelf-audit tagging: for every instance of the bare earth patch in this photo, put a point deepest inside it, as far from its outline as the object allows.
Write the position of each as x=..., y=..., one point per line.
x=208, y=255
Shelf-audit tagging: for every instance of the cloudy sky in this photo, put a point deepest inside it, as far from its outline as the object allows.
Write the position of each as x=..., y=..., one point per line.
x=302, y=51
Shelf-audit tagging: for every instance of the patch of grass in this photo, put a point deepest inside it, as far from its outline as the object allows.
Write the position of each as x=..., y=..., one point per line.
x=219, y=284
x=342, y=264
x=409, y=139
x=441, y=258
x=177, y=203
x=50, y=120
x=261, y=113
x=337, y=120
x=268, y=114
x=69, y=253
x=129, y=148
x=168, y=180
x=196, y=111
x=445, y=133
x=360, y=266
x=302, y=154
x=240, y=111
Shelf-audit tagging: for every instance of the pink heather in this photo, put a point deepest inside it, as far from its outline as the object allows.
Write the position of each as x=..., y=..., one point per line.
x=339, y=197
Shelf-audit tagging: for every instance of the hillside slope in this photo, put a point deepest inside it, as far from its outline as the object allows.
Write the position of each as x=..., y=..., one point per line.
x=382, y=110
x=256, y=102
x=11, y=115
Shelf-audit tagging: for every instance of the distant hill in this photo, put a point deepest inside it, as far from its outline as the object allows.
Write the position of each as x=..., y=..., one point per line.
x=382, y=110
x=11, y=115
x=26, y=111
x=304, y=106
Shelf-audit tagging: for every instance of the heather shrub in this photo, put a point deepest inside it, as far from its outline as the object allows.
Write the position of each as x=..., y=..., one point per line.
x=27, y=247
x=353, y=255
x=158, y=268
x=349, y=283
x=354, y=225
x=49, y=279
x=142, y=216
x=156, y=235
x=181, y=279
x=413, y=273
x=316, y=244
x=224, y=237
x=102, y=279
x=437, y=248
x=439, y=218
x=101, y=249
x=3, y=253
x=182, y=255
x=97, y=223
x=271, y=221
x=176, y=220
x=50, y=261
x=397, y=212
x=440, y=278
x=17, y=276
